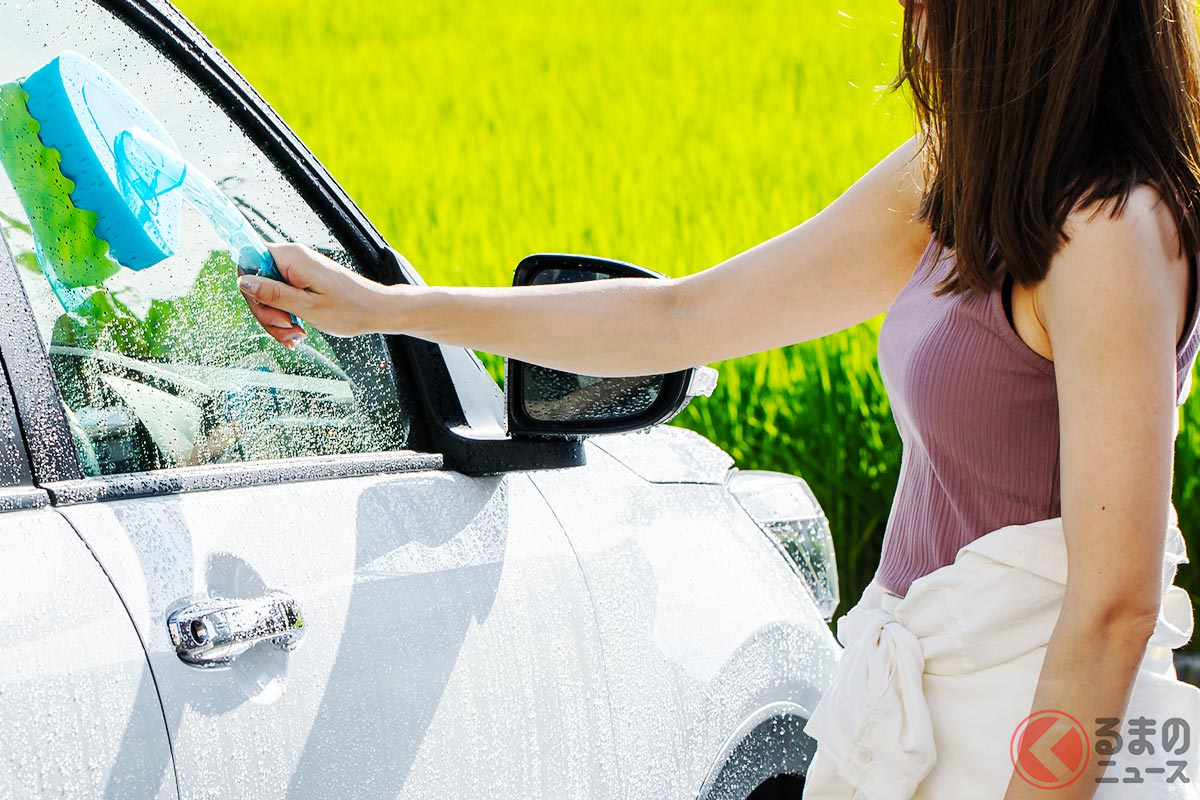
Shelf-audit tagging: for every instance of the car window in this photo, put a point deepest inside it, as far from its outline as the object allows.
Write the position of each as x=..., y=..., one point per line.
x=164, y=366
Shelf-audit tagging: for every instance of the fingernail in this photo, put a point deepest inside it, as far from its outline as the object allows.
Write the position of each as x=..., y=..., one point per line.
x=248, y=284
x=296, y=338
x=285, y=325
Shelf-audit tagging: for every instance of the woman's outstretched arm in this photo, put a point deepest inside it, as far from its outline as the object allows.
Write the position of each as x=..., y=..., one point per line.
x=842, y=266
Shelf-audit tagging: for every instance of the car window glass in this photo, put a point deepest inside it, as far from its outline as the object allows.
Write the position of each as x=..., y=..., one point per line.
x=164, y=366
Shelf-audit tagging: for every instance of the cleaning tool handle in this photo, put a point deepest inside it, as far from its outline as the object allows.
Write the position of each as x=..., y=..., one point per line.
x=151, y=170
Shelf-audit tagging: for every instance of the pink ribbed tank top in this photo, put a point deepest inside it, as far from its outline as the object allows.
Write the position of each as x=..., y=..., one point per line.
x=977, y=411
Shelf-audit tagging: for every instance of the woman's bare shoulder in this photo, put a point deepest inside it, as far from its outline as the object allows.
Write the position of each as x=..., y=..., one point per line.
x=1144, y=218
x=1117, y=254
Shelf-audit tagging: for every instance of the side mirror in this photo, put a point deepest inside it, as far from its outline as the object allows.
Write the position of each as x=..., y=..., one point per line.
x=548, y=402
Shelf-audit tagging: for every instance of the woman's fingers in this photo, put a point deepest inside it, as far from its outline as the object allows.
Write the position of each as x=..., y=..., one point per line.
x=327, y=295
x=270, y=317
x=276, y=294
x=300, y=266
x=276, y=323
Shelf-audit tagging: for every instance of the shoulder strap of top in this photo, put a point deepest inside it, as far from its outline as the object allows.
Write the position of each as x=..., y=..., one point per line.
x=1190, y=342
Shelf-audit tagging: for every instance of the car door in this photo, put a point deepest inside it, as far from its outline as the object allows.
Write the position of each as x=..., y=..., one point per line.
x=405, y=630
x=79, y=716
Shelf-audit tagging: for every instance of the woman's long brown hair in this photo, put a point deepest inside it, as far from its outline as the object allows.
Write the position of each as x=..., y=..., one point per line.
x=1030, y=109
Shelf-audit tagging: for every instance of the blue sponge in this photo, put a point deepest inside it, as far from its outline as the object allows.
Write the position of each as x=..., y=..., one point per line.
x=82, y=111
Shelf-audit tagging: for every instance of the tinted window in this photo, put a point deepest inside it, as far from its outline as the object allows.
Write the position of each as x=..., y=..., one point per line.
x=164, y=366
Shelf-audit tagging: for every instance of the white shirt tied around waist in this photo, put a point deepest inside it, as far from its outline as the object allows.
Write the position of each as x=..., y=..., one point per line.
x=995, y=605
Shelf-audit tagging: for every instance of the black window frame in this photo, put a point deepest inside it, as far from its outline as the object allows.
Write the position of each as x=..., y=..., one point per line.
x=441, y=435
x=17, y=491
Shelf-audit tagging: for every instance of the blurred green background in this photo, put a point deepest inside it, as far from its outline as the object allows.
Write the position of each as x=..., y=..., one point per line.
x=669, y=133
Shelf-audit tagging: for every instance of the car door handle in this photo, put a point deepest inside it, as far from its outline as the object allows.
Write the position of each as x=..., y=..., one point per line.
x=212, y=631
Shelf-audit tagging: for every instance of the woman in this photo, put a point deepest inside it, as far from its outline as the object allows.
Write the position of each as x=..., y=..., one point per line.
x=1035, y=357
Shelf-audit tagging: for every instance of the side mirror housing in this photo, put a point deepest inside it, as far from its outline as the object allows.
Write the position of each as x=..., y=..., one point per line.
x=549, y=402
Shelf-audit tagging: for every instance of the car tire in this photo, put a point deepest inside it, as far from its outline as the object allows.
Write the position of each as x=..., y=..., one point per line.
x=770, y=762
x=781, y=787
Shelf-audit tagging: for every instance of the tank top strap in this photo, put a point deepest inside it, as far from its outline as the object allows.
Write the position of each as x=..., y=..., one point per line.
x=1190, y=342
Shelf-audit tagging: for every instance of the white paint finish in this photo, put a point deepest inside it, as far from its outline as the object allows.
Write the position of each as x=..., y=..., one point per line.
x=79, y=716
x=450, y=648
x=667, y=454
x=703, y=622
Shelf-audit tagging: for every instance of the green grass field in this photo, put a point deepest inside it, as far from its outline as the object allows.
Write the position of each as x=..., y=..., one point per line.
x=670, y=134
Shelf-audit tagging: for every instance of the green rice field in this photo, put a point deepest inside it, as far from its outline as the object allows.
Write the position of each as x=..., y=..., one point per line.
x=669, y=133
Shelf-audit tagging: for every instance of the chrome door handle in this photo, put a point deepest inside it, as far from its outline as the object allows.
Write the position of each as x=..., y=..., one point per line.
x=213, y=631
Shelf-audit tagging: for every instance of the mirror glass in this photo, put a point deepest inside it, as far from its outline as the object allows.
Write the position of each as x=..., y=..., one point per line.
x=551, y=395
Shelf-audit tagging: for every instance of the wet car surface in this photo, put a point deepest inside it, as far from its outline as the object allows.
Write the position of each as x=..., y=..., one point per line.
x=359, y=569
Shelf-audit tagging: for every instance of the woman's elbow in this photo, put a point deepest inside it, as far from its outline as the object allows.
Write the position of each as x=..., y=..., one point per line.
x=1121, y=619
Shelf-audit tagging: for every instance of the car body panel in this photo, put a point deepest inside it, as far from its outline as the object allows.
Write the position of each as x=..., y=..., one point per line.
x=79, y=714
x=704, y=625
x=450, y=647
x=668, y=454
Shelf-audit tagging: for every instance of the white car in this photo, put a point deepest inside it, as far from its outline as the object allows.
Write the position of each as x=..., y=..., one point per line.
x=359, y=569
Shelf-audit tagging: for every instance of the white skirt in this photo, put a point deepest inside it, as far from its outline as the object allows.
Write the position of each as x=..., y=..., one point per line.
x=932, y=686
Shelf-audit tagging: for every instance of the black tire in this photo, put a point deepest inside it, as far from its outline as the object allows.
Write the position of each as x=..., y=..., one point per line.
x=781, y=787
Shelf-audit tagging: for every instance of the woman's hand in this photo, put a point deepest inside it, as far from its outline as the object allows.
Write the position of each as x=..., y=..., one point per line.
x=322, y=292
